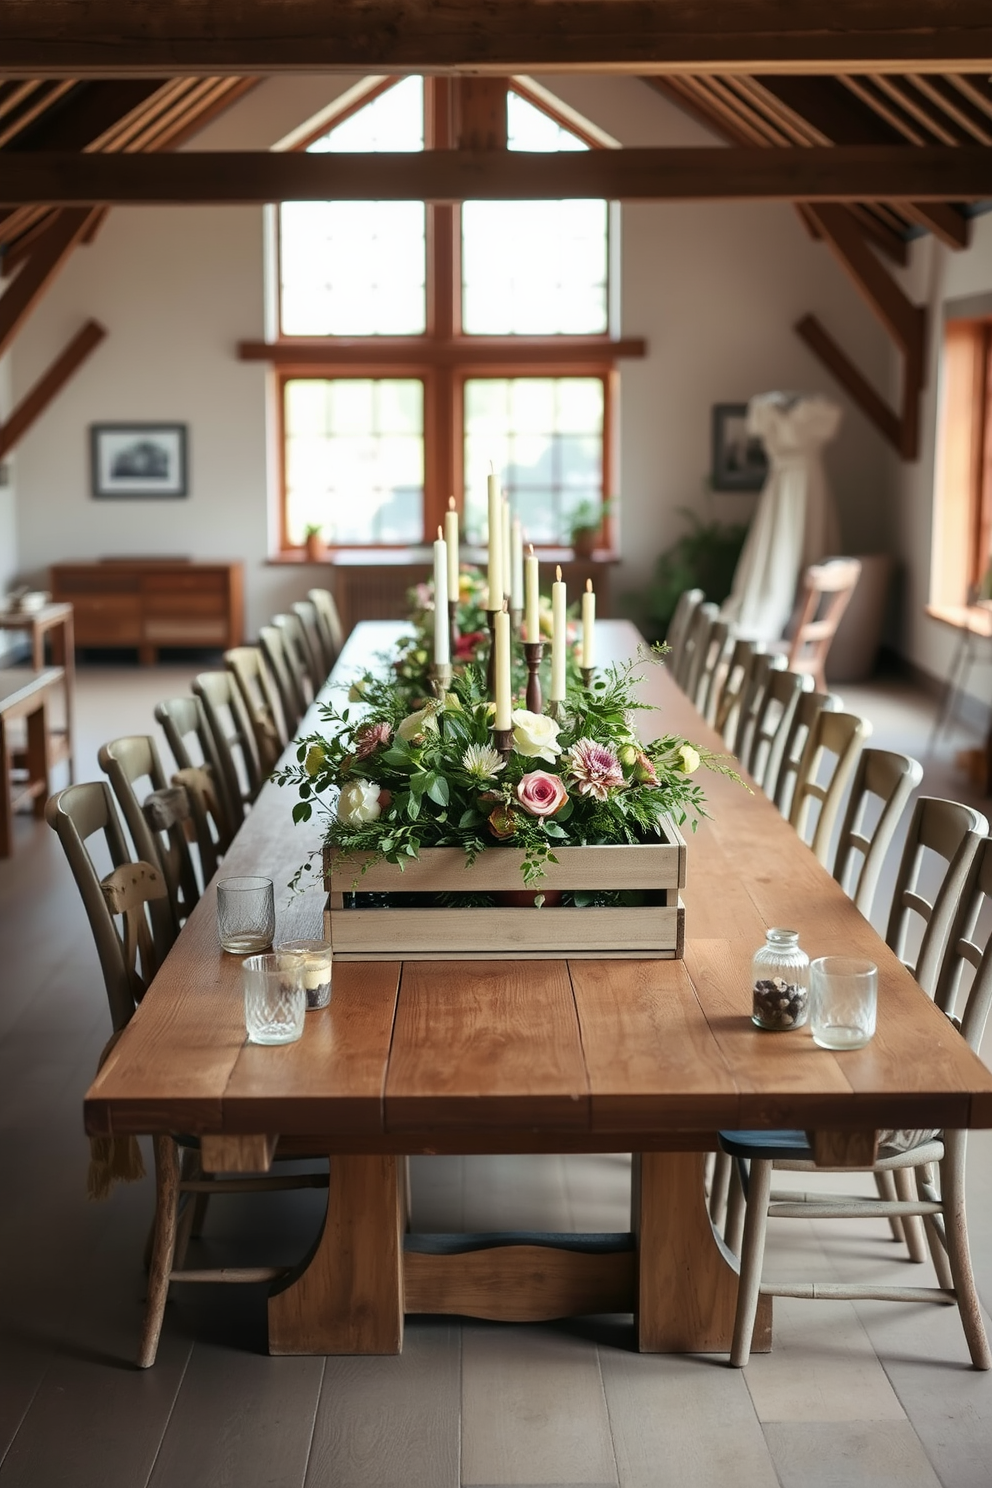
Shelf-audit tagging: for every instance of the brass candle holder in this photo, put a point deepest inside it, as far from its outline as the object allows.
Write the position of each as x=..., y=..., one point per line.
x=587, y=675
x=503, y=741
x=491, y=666
x=534, y=655
x=440, y=678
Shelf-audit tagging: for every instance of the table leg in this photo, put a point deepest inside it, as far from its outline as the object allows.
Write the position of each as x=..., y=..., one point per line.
x=6, y=803
x=37, y=756
x=687, y=1285
x=346, y=1297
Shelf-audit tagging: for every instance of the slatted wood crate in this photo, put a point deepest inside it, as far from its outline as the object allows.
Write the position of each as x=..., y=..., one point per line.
x=394, y=933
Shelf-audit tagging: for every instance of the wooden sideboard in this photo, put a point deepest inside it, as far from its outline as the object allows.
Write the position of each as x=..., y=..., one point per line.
x=153, y=602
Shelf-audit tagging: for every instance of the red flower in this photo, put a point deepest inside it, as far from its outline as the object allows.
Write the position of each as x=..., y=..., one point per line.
x=466, y=644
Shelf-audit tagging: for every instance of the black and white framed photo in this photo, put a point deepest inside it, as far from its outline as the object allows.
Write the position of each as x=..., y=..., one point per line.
x=739, y=462
x=138, y=460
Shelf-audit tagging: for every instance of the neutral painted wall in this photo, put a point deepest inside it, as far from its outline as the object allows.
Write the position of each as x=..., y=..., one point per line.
x=934, y=275
x=715, y=289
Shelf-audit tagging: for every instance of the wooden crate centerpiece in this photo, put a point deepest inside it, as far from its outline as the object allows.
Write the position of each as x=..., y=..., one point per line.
x=364, y=931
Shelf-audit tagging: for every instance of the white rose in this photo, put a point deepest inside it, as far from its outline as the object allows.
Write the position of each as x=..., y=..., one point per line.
x=418, y=723
x=359, y=802
x=535, y=735
x=357, y=690
x=688, y=759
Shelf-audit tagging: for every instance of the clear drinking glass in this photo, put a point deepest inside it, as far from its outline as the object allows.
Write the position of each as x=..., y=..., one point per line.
x=317, y=967
x=246, y=914
x=843, y=1001
x=275, y=997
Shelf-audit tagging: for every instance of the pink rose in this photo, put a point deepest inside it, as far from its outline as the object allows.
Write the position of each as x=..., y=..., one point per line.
x=541, y=794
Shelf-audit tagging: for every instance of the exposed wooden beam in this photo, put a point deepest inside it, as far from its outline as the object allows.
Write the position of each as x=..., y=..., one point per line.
x=945, y=221
x=49, y=254
x=480, y=113
x=121, y=37
x=482, y=351
x=904, y=321
x=34, y=403
x=869, y=173
x=837, y=362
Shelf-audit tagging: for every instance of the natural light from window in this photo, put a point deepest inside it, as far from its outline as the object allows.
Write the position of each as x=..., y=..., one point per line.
x=545, y=436
x=355, y=459
x=359, y=268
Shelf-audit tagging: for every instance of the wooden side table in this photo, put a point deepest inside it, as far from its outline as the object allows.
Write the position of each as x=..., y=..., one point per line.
x=51, y=631
x=24, y=694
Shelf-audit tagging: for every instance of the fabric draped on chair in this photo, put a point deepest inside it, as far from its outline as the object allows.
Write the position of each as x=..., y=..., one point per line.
x=795, y=523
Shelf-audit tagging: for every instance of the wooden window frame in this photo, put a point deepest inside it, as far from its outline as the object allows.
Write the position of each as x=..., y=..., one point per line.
x=962, y=528
x=443, y=357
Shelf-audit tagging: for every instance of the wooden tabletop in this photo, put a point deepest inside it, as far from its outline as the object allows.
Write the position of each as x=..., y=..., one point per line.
x=18, y=684
x=516, y=1056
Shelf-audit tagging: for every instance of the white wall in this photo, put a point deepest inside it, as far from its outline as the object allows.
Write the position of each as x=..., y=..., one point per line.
x=934, y=275
x=715, y=289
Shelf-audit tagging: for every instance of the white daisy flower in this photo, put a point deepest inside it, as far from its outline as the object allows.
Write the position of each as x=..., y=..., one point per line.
x=482, y=761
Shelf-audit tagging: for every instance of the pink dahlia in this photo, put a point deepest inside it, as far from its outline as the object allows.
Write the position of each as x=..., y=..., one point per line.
x=370, y=737
x=541, y=794
x=594, y=768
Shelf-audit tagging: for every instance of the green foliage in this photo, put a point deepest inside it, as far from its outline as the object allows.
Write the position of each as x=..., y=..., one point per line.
x=704, y=557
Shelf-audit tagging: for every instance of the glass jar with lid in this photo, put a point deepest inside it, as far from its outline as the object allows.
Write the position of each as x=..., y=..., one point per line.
x=780, y=982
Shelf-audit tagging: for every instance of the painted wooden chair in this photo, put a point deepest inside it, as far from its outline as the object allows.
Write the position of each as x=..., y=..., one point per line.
x=261, y=699
x=826, y=593
x=192, y=746
x=117, y=906
x=828, y=760
x=329, y=622
x=306, y=612
x=234, y=739
x=156, y=823
x=809, y=706
x=937, y=1157
x=298, y=658
x=289, y=685
x=751, y=697
x=696, y=648
x=771, y=726
x=713, y=668
x=731, y=688
x=678, y=628
x=884, y=781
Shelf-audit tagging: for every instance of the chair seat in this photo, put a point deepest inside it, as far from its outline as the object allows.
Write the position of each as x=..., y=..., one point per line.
x=774, y=1145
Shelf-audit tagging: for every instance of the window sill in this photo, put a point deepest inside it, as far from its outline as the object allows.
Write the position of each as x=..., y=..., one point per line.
x=975, y=618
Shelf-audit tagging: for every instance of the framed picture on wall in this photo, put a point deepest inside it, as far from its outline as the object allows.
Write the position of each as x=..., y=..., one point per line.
x=739, y=462
x=144, y=460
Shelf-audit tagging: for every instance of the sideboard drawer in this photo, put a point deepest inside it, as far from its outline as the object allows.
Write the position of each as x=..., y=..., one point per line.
x=153, y=602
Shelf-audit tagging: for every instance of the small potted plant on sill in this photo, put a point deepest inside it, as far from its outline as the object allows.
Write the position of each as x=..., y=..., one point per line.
x=313, y=543
x=585, y=526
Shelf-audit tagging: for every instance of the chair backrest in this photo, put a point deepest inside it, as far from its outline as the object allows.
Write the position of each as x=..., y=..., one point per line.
x=841, y=735
x=127, y=955
x=713, y=668
x=312, y=651
x=890, y=779
x=951, y=832
x=969, y=1007
x=234, y=740
x=183, y=720
x=296, y=652
x=771, y=725
x=678, y=628
x=752, y=696
x=157, y=827
x=808, y=708
x=329, y=622
x=732, y=688
x=289, y=684
x=826, y=593
x=696, y=648
x=261, y=699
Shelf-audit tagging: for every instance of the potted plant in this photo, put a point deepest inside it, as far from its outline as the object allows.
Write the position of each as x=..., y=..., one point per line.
x=585, y=526
x=312, y=542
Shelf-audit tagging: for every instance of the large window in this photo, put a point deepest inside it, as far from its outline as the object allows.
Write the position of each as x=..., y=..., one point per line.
x=962, y=534
x=419, y=342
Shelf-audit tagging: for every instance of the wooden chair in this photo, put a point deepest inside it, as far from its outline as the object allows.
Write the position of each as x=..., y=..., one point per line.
x=771, y=724
x=306, y=612
x=696, y=647
x=949, y=832
x=940, y=1203
x=157, y=825
x=183, y=721
x=297, y=656
x=289, y=685
x=889, y=779
x=841, y=735
x=751, y=698
x=234, y=739
x=678, y=628
x=329, y=624
x=826, y=593
x=713, y=668
x=261, y=699
x=732, y=688
x=128, y=960
x=808, y=708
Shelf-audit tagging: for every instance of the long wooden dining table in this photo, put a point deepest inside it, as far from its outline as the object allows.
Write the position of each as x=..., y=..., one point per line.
x=650, y=1057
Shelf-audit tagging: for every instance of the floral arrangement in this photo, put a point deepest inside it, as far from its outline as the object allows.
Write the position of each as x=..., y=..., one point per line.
x=392, y=782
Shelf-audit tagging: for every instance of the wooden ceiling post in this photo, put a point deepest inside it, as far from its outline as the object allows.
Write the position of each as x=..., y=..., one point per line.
x=49, y=254
x=34, y=403
x=480, y=113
